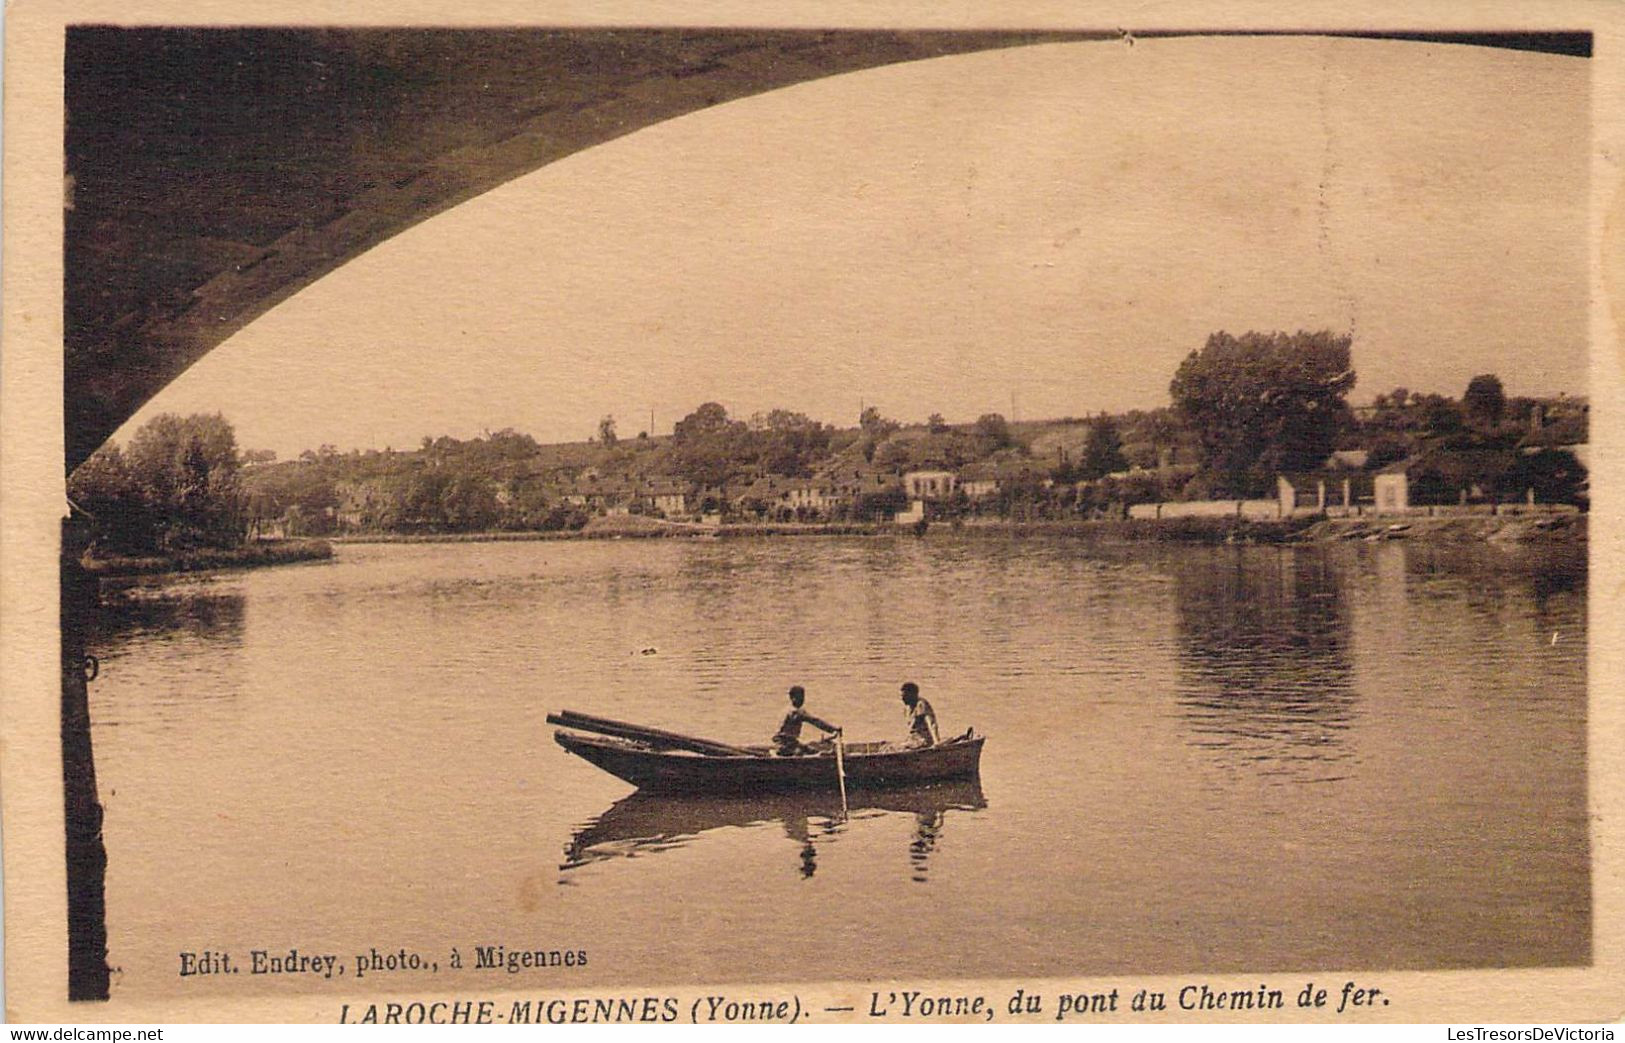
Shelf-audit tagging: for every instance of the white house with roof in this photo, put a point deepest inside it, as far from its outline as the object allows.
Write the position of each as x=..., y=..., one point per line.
x=668, y=497
x=930, y=485
x=813, y=494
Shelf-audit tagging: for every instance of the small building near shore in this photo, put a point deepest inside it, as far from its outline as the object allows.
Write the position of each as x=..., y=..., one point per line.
x=1391, y=487
x=913, y=516
x=1437, y=478
x=1323, y=491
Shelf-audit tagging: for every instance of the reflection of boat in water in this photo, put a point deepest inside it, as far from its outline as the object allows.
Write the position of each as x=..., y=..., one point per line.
x=751, y=770
x=646, y=823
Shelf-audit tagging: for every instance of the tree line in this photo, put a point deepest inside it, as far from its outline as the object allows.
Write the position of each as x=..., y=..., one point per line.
x=1242, y=409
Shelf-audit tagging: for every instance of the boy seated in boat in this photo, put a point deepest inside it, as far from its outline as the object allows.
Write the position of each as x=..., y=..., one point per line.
x=922, y=720
x=787, y=742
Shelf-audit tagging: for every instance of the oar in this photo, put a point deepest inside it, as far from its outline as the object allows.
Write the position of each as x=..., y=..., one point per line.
x=571, y=718
x=840, y=770
x=654, y=736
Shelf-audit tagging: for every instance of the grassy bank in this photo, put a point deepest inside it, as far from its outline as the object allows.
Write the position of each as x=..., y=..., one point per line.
x=251, y=555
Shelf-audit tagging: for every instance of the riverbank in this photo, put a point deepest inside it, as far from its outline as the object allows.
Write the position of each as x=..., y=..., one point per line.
x=1518, y=528
x=613, y=528
x=1137, y=530
x=1477, y=528
x=1505, y=528
x=255, y=554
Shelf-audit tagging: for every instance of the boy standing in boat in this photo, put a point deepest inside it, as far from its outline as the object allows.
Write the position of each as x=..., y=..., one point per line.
x=922, y=720
x=787, y=742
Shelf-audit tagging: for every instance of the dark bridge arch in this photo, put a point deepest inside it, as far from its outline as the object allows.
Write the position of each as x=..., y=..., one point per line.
x=214, y=172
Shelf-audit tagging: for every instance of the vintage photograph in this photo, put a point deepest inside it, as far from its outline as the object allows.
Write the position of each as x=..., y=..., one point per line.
x=554, y=511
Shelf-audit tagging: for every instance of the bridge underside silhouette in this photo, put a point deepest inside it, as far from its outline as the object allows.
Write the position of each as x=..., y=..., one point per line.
x=214, y=173
x=211, y=173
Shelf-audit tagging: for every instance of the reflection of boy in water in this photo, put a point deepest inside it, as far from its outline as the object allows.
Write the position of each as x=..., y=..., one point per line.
x=922, y=720
x=787, y=742
x=795, y=827
x=927, y=827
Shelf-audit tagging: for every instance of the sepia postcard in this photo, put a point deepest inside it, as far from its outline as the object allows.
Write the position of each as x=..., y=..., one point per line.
x=656, y=513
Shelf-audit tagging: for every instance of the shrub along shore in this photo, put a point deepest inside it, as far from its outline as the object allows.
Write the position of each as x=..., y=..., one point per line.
x=249, y=555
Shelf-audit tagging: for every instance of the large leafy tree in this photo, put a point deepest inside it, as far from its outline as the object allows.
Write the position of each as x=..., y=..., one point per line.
x=706, y=420
x=1484, y=401
x=1102, y=450
x=876, y=430
x=789, y=443
x=175, y=486
x=708, y=447
x=1262, y=403
x=993, y=431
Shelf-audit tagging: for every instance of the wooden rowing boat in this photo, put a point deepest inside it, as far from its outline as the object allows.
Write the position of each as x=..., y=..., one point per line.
x=646, y=765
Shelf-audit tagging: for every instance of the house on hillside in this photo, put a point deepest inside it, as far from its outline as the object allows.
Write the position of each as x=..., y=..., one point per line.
x=760, y=498
x=668, y=496
x=268, y=528
x=868, y=493
x=777, y=498
x=979, y=480
x=930, y=485
x=985, y=479
x=599, y=496
x=360, y=503
x=816, y=495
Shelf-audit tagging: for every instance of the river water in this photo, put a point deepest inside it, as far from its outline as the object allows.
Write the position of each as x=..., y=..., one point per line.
x=1200, y=758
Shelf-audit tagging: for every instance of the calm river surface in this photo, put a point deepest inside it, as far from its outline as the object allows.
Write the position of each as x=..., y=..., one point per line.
x=1200, y=758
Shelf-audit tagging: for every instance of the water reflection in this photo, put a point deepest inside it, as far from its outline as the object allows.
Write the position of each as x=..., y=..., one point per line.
x=1541, y=585
x=1208, y=690
x=176, y=611
x=927, y=828
x=646, y=824
x=1266, y=673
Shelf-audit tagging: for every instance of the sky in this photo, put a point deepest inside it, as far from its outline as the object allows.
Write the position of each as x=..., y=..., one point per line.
x=1041, y=232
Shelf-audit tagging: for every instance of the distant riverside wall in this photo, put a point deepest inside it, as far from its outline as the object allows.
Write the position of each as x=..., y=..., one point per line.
x=1208, y=509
